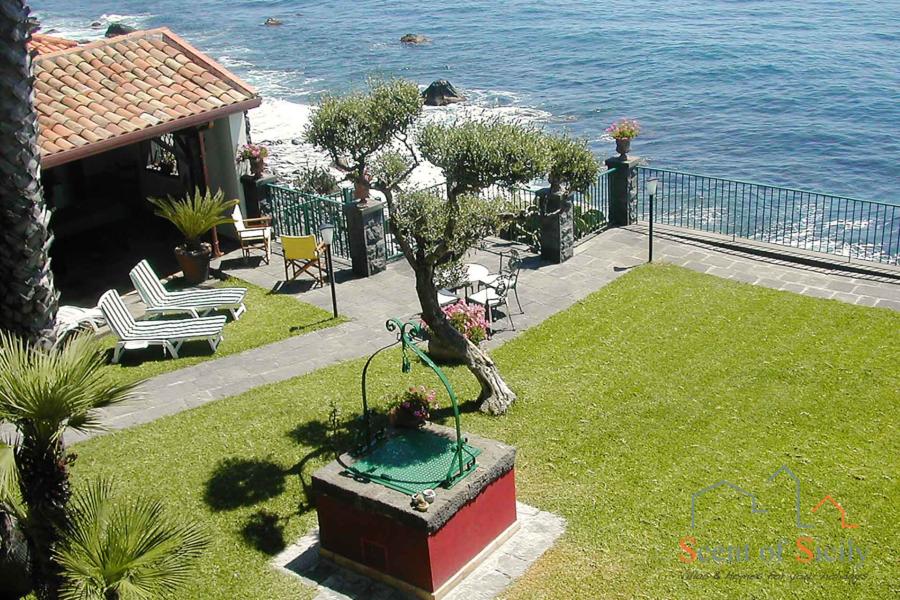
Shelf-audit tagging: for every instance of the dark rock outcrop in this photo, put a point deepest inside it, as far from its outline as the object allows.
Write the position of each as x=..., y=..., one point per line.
x=115, y=29
x=272, y=22
x=414, y=38
x=441, y=93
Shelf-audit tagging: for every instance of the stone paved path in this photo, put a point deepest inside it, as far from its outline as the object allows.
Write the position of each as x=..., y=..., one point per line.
x=545, y=289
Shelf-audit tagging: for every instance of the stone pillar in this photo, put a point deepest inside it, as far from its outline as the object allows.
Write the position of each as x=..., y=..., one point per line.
x=254, y=192
x=623, y=190
x=557, y=227
x=365, y=228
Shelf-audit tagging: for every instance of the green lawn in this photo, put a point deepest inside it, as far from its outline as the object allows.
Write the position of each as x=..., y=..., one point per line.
x=660, y=384
x=268, y=318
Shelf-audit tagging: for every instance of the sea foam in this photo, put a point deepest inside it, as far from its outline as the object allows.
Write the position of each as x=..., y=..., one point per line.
x=280, y=125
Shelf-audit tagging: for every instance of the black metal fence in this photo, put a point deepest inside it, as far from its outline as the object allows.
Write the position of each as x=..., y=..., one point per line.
x=856, y=229
x=591, y=210
x=298, y=213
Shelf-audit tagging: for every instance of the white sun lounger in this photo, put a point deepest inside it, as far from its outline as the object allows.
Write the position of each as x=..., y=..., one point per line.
x=170, y=335
x=195, y=302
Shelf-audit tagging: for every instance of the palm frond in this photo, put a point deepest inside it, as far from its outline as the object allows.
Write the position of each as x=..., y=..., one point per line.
x=197, y=214
x=44, y=391
x=133, y=547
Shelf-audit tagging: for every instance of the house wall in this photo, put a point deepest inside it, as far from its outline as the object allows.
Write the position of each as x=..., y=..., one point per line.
x=221, y=142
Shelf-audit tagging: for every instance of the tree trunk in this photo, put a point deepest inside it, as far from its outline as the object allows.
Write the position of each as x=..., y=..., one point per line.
x=495, y=397
x=45, y=488
x=28, y=298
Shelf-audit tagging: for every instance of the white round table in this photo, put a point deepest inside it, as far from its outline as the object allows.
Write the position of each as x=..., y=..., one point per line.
x=475, y=273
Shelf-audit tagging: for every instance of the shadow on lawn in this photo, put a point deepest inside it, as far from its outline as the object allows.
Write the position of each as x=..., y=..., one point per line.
x=264, y=530
x=298, y=328
x=237, y=483
x=326, y=440
x=136, y=357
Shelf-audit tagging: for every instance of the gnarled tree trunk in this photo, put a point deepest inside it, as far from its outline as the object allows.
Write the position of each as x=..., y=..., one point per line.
x=495, y=397
x=28, y=298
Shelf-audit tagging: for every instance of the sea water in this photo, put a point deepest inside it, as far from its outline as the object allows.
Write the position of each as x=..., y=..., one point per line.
x=803, y=93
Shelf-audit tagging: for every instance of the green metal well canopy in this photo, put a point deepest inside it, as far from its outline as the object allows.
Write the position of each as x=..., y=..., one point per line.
x=411, y=460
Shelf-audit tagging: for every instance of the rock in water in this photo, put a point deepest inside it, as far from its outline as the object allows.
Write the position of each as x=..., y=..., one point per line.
x=96, y=25
x=272, y=21
x=441, y=93
x=414, y=38
x=115, y=29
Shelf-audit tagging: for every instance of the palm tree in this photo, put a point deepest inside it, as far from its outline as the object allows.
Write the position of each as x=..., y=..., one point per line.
x=28, y=298
x=43, y=392
x=116, y=550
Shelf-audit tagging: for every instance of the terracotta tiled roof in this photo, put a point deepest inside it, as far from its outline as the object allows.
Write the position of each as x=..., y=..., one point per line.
x=98, y=96
x=44, y=44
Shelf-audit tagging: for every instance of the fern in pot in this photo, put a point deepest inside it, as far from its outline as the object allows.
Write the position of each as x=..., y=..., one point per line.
x=194, y=216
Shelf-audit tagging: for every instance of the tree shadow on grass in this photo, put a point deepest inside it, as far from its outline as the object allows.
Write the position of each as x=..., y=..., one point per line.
x=236, y=483
x=325, y=441
x=264, y=530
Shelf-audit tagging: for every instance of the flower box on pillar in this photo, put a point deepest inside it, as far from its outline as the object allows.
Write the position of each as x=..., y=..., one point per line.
x=463, y=506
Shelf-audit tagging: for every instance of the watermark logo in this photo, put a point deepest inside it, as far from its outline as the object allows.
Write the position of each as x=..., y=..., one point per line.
x=803, y=548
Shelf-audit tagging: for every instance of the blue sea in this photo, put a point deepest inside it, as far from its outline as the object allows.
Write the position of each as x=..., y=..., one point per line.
x=803, y=94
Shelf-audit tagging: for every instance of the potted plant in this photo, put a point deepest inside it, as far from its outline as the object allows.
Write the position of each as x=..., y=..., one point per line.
x=194, y=216
x=469, y=320
x=413, y=408
x=623, y=131
x=256, y=155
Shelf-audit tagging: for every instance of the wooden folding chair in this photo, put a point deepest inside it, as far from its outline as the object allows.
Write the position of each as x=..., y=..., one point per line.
x=303, y=254
x=253, y=233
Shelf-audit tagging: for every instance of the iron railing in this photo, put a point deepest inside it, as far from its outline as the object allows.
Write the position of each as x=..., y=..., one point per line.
x=591, y=209
x=857, y=229
x=298, y=213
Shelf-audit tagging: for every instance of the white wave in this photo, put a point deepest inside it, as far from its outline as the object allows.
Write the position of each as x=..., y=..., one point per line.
x=280, y=124
x=80, y=29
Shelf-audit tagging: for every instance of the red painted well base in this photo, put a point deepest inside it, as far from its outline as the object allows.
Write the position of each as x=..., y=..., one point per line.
x=411, y=555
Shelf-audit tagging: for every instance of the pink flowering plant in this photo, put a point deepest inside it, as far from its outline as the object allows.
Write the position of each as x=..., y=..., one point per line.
x=468, y=319
x=413, y=407
x=624, y=129
x=252, y=152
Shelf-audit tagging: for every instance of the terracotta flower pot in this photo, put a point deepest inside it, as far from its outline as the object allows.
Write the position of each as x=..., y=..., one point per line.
x=623, y=145
x=194, y=263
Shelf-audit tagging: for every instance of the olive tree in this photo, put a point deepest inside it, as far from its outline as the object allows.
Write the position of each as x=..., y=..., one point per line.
x=573, y=167
x=367, y=135
x=355, y=129
x=473, y=156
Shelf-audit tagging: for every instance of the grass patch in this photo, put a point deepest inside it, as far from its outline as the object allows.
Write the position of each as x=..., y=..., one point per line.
x=269, y=318
x=662, y=383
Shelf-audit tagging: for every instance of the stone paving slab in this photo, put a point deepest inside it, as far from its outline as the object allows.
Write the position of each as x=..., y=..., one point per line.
x=544, y=290
x=538, y=531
